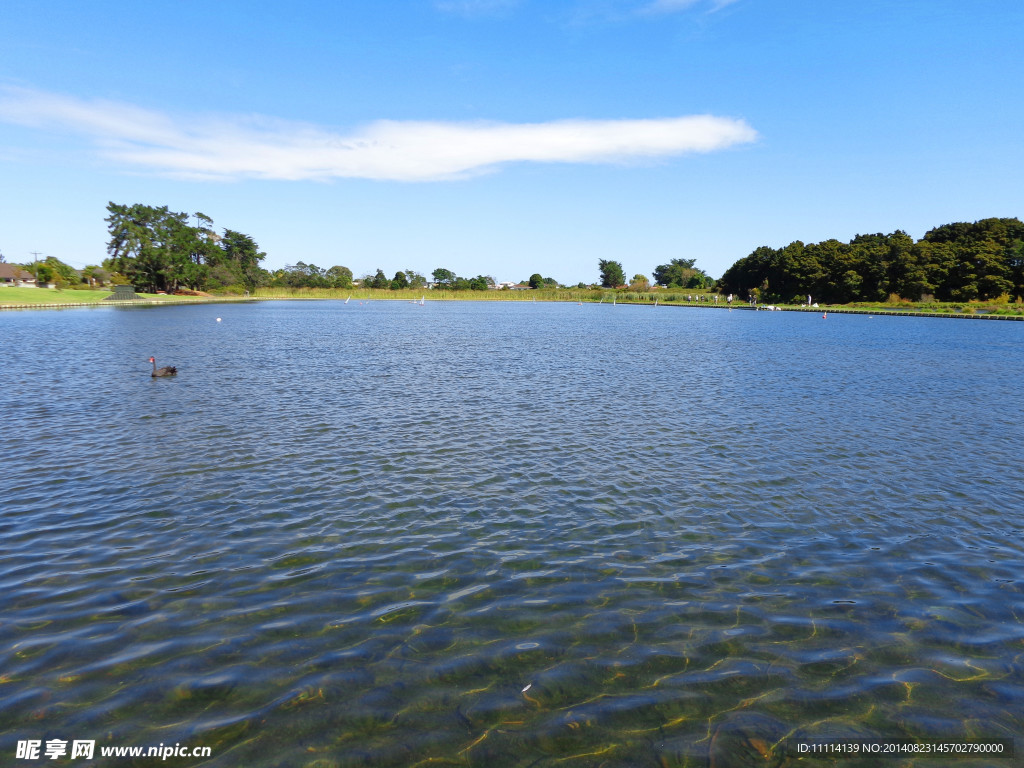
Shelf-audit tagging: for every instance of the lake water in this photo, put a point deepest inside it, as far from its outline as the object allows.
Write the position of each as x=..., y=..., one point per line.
x=508, y=534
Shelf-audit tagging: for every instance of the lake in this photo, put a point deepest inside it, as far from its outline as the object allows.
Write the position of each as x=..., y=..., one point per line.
x=509, y=534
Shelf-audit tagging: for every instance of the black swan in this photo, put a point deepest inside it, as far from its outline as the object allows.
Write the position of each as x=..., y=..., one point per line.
x=169, y=370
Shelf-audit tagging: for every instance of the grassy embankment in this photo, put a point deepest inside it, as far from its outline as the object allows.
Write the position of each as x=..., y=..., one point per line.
x=662, y=296
x=43, y=296
x=929, y=307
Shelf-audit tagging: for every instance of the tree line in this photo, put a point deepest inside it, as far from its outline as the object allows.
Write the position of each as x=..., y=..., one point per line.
x=678, y=273
x=956, y=262
x=157, y=249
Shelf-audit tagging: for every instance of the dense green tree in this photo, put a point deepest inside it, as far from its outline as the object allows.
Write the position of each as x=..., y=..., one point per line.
x=639, y=283
x=241, y=255
x=681, y=273
x=302, y=275
x=154, y=248
x=157, y=249
x=955, y=262
x=975, y=260
x=416, y=280
x=612, y=274
x=399, y=281
x=340, y=277
x=65, y=273
x=536, y=281
x=60, y=274
x=1015, y=261
x=444, y=278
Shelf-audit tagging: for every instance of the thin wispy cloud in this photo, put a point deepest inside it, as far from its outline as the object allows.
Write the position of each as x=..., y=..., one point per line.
x=586, y=12
x=673, y=6
x=669, y=6
x=475, y=7
x=265, y=148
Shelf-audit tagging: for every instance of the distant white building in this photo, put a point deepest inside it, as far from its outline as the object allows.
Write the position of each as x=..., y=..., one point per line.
x=16, y=277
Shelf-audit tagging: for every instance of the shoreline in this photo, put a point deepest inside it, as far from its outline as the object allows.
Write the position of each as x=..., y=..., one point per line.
x=132, y=303
x=895, y=312
x=838, y=310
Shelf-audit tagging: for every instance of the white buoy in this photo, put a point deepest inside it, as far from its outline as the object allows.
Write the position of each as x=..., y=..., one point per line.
x=218, y=319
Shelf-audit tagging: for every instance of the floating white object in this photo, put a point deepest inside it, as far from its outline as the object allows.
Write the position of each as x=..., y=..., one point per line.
x=528, y=687
x=218, y=319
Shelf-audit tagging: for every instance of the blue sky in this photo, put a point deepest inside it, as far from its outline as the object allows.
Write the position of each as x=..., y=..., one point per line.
x=507, y=137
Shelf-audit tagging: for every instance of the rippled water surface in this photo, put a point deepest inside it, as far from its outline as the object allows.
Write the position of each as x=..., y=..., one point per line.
x=508, y=534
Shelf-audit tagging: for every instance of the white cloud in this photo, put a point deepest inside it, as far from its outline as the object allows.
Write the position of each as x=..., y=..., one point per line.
x=265, y=148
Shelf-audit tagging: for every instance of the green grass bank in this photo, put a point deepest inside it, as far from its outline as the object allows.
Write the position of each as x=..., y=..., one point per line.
x=28, y=298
